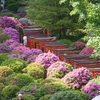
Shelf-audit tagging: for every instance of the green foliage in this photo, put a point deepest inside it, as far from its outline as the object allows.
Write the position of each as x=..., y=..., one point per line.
x=45, y=97
x=10, y=91
x=36, y=73
x=3, y=57
x=96, y=80
x=19, y=79
x=50, y=88
x=1, y=86
x=5, y=71
x=9, y=14
x=69, y=95
x=54, y=17
x=32, y=65
x=14, y=63
x=3, y=37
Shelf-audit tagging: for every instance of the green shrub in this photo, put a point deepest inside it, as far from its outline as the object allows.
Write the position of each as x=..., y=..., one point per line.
x=3, y=57
x=9, y=14
x=69, y=95
x=33, y=65
x=36, y=73
x=50, y=88
x=10, y=91
x=2, y=79
x=19, y=79
x=46, y=97
x=4, y=37
x=5, y=71
x=1, y=86
x=26, y=97
x=14, y=63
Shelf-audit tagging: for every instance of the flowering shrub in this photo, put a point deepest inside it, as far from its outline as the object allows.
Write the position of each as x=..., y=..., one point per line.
x=8, y=46
x=88, y=51
x=16, y=64
x=20, y=14
x=13, y=33
x=5, y=71
x=77, y=78
x=46, y=59
x=58, y=69
x=79, y=44
x=92, y=88
x=4, y=10
x=8, y=22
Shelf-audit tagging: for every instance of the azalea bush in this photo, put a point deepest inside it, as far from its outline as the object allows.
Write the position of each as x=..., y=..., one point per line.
x=77, y=78
x=5, y=71
x=68, y=95
x=13, y=33
x=79, y=45
x=14, y=63
x=87, y=51
x=20, y=79
x=58, y=69
x=92, y=88
x=46, y=59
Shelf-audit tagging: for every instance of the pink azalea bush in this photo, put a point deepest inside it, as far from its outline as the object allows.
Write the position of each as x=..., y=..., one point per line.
x=46, y=59
x=79, y=44
x=77, y=78
x=88, y=51
x=58, y=69
x=13, y=33
x=92, y=88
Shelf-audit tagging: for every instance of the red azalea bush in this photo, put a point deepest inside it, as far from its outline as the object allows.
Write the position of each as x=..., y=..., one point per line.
x=58, y=69
x=77, y=78
x=88, y=51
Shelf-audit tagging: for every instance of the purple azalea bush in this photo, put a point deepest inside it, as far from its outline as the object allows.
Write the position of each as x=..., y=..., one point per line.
x=92, y=88
x=58, y=69
x=79, y=44
x=13, y=33
x=8, y=22
x=46, y=59
x=77, y=78
x=8, y=46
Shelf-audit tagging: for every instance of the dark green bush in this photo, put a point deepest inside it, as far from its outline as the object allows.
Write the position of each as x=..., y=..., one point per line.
x=45, y=97
x=10, y=91
x=4, y=37
x=14, y=63
x=36, y=73
x=50, y=88
x=69, y=95
x=5, y=71
x=3, y=57
x=19, y=79
x=9, y=14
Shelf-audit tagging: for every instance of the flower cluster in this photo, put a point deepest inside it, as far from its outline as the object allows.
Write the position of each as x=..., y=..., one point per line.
x=8, y=46
x=8, y=22
x=58, y=69
x=79, y=44
x=46, y=59
x=87, y=51
x=20, y=14
x=13, y=33
x=77, y=78
x=4, y=11
x=91, y=89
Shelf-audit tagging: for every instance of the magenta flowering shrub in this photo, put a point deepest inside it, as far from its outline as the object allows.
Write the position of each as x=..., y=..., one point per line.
x=13, y=33
x=20, y=50
x=88, y=51
x=58, y=69
x=92, y=89
x=79, y=44
x=46, y=59
x=77, y=78
x=4, y=11
x=8, y=46
x=8, y=22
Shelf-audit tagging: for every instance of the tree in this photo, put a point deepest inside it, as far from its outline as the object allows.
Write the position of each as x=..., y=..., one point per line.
x=53, y=16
